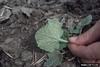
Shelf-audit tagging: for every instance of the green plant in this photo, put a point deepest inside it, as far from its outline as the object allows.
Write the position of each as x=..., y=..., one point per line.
x=49, y=38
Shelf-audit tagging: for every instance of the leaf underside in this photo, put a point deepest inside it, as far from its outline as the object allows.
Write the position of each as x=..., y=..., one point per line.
x=49, y=36
x=55, y=58
x=49, y=39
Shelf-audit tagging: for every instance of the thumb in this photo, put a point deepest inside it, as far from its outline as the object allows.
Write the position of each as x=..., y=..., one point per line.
x=86, y=52
x=88, y=37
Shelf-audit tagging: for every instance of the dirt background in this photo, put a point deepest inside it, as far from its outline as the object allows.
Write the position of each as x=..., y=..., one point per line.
x=20, y=19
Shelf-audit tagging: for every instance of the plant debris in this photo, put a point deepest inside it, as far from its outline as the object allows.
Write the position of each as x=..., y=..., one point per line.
x=20, y=19
x=49, y=37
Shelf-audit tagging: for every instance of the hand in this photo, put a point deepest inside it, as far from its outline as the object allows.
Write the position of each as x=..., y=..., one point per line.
x=87, y=45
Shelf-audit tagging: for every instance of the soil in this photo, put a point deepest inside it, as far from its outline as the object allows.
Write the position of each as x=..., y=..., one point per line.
x=20, y=19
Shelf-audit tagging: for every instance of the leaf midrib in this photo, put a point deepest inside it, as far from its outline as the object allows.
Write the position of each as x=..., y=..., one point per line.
x=56, y=39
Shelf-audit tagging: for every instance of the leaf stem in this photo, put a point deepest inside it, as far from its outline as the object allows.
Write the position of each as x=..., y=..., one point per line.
x=62, y=40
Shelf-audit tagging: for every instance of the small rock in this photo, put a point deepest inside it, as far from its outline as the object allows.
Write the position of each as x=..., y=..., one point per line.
x=8, y=40
x=4, y=14
x=27, y=65
x=18, y=62
x=26, y=11
x=12, y=46
x=26, y=56
x=15, y=10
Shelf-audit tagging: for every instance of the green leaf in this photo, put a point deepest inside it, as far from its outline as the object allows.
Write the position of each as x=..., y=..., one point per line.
x=55, y=58
x=49, y=36
x=78, y=28
x=63, y=45
x=85, y=21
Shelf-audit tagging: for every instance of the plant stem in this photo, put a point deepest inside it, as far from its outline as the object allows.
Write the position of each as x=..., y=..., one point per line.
x=62, y=40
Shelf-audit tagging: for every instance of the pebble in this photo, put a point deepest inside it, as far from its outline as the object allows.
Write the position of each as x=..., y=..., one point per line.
x=26, y=55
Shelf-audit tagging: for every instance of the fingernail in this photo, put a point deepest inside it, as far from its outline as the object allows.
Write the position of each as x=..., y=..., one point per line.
x=73, y=39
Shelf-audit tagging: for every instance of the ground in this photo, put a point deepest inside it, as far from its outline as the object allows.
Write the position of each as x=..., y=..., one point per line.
x=20, y=19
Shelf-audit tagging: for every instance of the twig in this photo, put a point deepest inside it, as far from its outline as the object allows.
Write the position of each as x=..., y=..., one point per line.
x=8, y=54
x=71, y=59
x=7, y=7
x=40, y=60
x=2, y=12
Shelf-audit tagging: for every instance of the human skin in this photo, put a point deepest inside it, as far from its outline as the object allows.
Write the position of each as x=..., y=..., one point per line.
x=87, y=45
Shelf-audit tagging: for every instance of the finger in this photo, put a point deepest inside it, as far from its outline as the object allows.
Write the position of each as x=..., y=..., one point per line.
x=87, y=52
x=88, y=37
x=90, y=61
x=97, y=61
x=87, y=61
